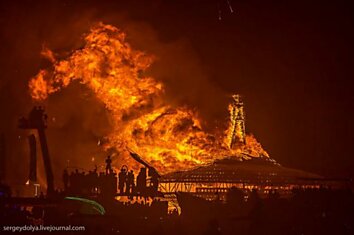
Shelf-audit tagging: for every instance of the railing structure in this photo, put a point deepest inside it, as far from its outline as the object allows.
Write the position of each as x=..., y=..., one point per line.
x=215, y=180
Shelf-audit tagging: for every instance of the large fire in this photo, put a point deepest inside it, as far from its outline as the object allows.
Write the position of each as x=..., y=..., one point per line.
x=169, y=138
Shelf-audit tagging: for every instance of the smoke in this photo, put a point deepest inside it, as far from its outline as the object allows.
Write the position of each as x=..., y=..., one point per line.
x=77, y=120
x=179, y=68
x=72, y=128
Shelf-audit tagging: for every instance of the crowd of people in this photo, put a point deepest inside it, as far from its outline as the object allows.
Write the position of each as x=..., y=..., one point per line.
x=307, y=211
x=94, y=182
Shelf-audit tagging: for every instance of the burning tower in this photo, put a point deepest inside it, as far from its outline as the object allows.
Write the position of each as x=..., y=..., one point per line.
x=237, y=133
x=169, y=136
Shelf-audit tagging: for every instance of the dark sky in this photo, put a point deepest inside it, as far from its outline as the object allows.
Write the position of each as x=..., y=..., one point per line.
x=291, y=60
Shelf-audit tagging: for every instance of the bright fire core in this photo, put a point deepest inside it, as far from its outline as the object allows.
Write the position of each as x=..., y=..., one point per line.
x=167, y=137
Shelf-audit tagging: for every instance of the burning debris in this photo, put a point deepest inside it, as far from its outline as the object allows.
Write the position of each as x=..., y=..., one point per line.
x=170, y=138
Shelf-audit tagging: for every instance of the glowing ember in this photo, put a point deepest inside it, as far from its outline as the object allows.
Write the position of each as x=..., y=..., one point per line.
x=169, y=138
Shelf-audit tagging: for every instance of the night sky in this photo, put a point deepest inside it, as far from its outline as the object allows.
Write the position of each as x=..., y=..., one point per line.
x=291, y=60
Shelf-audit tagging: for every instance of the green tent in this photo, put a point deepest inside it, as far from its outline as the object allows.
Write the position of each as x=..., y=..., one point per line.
x=84, y=206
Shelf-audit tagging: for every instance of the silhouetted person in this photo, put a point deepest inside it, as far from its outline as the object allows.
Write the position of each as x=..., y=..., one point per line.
x=122, y=178
x=130, y=182
x=235, y=199
x=141, y=181
x=66, y=179
x=213, y=228
x=253, y=197
x=74, y=181
x=89, y=181
x=154, y=179
x=108, y=165
x=273, y=194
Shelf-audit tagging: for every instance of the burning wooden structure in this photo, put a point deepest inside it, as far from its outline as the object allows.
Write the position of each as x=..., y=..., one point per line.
x=170, y=138
x=264, y=175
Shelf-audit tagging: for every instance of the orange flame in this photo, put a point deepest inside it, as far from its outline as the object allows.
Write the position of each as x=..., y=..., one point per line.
x=48, y=54
x=169, y=138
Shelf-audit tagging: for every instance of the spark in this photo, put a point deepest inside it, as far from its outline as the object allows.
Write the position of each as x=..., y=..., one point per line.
x=230, y=7
x=221, y=4
x=219, y=10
